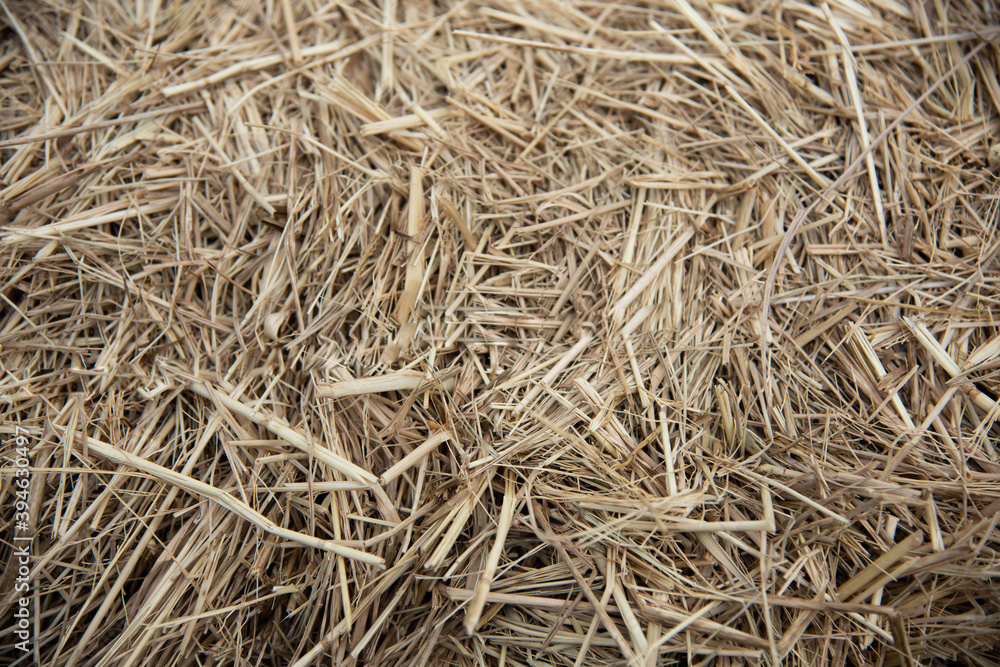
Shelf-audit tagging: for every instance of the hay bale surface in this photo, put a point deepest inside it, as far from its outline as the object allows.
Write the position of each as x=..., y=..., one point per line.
x=556, y=333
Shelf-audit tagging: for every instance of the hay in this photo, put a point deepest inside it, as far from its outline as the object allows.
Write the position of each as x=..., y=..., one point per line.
x=562, y=333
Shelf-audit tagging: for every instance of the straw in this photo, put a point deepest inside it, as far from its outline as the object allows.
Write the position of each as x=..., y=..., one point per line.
x=550, y=333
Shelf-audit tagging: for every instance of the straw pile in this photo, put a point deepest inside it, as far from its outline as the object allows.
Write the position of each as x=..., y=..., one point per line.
x=554, y=333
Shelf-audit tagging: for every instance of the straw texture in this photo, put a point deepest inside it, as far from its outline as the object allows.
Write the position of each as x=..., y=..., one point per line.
x=551, y=333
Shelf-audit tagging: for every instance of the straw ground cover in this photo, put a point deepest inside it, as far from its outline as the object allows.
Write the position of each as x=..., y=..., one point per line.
x=502, y=333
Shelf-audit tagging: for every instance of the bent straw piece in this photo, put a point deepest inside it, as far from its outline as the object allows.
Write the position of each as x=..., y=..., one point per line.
x=879, y=370
x=588, y=214
x=285, y=432
x=983, y=354
x=765, y=496
x=414, y=457
x=56, y=229
x=599, y=606
x=668, y=613
x=448, y=208
x=808, y=501
x=91, y=127
x=398, y=381
x=415, y=265
x=406, y=122
x=256, y=64
x=820, y=180
x=564, y=361
x=930, y=343
x=898, y=457
x=677, y=629
x=234, y=505
x=504, y=523
x=684, y=525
